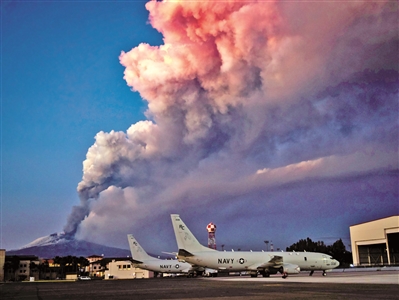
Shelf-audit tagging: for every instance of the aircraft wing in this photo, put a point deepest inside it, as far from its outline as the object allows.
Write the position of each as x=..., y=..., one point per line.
x=275, y=261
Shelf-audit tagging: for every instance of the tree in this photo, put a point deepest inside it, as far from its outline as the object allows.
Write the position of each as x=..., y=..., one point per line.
x=336, y=250
x=82, y=263
x=43, y=269
x=33, y=267
x=304, y=245
x=70, y=264
x=12, y=263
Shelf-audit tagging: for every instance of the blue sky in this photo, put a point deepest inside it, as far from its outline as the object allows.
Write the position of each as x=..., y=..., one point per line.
x=61, y=84
x=275, y=121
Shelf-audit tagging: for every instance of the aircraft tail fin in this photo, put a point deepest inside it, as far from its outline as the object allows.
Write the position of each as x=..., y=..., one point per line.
x=137, y=251
x=185, y=239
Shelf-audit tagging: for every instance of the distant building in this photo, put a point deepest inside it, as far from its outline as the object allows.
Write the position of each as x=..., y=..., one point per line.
x=21, y=267
x=2, y=261
x=375, y=242
x=95, y=267
x=30, y=267
x=124, y=269
x=94, y=258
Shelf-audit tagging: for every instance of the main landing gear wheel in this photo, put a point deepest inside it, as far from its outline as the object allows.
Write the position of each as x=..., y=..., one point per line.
x=311, y=273
x=324, y=273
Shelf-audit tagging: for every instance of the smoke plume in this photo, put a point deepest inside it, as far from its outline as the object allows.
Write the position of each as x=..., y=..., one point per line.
x=254, y=109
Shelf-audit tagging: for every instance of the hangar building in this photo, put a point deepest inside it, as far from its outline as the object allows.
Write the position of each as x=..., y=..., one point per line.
x=375, y=242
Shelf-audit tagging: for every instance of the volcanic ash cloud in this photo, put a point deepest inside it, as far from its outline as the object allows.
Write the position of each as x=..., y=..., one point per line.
x=239, y=93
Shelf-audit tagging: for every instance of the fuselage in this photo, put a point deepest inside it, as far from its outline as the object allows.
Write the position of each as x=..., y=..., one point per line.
x=247, y=261
x=165, y=266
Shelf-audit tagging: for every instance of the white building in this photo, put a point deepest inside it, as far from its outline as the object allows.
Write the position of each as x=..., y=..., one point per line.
x=376, y=242
x=123, y=269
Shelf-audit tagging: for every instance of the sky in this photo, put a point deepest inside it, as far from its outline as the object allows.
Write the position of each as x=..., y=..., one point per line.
x=276, y=121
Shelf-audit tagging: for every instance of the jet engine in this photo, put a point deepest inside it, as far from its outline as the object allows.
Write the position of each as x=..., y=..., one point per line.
x=210, y=272
x=290, y=269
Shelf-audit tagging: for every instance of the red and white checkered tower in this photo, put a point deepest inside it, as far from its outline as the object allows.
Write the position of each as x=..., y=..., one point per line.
x=211, y=235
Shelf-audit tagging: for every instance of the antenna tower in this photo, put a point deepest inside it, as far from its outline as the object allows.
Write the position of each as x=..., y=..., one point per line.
x=211, y=228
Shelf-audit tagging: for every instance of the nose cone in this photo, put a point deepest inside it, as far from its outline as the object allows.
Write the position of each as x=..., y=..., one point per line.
x=336, y=262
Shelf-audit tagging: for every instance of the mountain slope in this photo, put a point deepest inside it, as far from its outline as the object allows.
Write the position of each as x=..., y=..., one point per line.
x=63, y=245
x=73, y=248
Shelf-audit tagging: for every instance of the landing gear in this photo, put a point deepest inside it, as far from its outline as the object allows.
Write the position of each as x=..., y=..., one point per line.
x=324, y=273
x=311, y=273
x=192, y=274
x=264, y=273
x=254, y=274
x=285, y=274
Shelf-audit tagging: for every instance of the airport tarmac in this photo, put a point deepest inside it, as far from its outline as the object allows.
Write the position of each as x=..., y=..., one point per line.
x=366, y=277
x=375, y=285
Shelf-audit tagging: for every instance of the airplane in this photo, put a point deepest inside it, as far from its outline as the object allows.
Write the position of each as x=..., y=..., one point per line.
x=142, y=260
x=264, y=263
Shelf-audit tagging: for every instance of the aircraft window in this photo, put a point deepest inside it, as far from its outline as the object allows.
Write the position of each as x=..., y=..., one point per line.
x=305, y=258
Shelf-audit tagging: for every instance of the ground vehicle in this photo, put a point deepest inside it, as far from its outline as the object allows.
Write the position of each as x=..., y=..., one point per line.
x=84, y=278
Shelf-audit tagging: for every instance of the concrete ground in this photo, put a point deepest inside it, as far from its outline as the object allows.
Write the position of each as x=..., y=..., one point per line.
x=337, y=285
x=343, y=276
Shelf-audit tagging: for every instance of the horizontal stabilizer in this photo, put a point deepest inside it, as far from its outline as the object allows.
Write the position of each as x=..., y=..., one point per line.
x=135, y=261
x=184, y=253
x=170, y=253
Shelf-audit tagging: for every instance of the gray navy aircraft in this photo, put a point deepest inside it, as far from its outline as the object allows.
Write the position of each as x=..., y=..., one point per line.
x=257, y=262
x=144, y=261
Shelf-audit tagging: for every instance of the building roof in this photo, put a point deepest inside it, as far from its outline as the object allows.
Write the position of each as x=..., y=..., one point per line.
x=94, y=256
x=393, y=216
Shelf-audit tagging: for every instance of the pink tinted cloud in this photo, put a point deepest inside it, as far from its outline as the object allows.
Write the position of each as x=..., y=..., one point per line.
x=301, y=90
